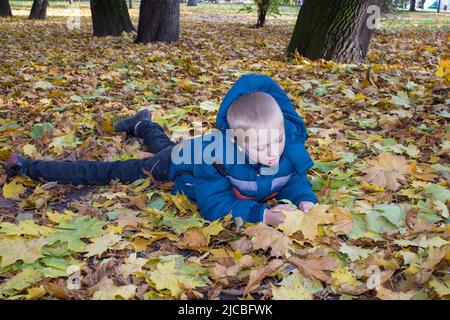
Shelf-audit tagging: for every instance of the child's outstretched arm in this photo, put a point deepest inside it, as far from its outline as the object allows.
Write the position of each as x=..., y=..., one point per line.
x=83, y=172
x=216, y=199
x=298, y=190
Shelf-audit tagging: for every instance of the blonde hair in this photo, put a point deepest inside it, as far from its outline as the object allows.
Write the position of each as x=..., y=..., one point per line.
x=255, y=110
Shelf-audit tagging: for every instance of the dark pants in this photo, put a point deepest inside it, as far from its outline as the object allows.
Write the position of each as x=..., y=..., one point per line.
x=101, y=173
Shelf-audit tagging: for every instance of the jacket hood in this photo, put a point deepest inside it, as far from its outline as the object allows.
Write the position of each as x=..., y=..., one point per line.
x=294, y=125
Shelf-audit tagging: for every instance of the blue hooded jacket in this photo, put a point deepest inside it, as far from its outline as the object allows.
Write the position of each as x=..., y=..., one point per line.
x=220, y=188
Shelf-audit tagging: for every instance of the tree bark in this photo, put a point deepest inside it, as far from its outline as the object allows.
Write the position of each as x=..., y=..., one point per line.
x=413, y=5
x=38, y=9
x=159, y=20
x=263, y=7
x=191, y=3
x=333, y=30
x=110, y=17
x=5, y=9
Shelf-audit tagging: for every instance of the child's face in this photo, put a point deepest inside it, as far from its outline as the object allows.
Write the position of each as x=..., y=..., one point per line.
x=264, y=146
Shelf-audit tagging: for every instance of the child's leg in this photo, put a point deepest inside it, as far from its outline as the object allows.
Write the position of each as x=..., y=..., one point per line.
x=154, y=136
x=98, y=173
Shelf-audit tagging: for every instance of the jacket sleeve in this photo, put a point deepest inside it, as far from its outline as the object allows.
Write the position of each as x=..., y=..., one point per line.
x=216, y=199
x=298, y=189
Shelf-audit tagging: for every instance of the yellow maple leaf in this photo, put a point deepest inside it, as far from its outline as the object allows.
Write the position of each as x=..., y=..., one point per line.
x=35, y=293
x=213, y=229
x=307, y=223
x=444, y=69
x=13, y=190
x=291, y=288
x=25, y=227
x=100, y=245
x=174, y=274
x=58, y=217
x=14, y=249
x=29, y=150
x=343, y=276
x=292, y=222
x=132, y=265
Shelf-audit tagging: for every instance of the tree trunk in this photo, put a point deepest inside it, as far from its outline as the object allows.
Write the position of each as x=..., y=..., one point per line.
x=413, y=5
x=191, y=3
x=5, y=9
x=159, y=20
x=130, y=4
x=333, y=30
x=38, y=9
x=263, y=7
x=110, y=17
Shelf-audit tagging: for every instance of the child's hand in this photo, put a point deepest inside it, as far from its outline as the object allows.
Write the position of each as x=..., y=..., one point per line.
x=306, y=206
x=274, y=216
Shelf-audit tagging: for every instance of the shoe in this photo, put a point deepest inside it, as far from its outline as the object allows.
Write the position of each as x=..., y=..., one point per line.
x=129, y=125
x=14, y=165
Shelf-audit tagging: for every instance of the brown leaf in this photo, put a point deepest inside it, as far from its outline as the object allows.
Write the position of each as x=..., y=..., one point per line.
x=265, y=237
x=386, y=294
x=315, y=265
x=257, y=275
x=353, y=290
x=140, y=202
x=127, y=217
x=221, y=273
x=244, y=245
x=386, y=171
x=416, y=224
x=57, y=291
x=344, y=220
x=194, y=239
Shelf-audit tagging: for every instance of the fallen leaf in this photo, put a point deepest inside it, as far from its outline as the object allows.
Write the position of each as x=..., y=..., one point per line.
x=265, y=237
x=194, y=239
x=386, y=171
x=100, y=245
x=106, y=290
x=307, y=223
x=172, y=271
x=315, y=265
x=132, y=265
x=257, y=275
x=243, y=245
x=290, y=288
x=12, y=250
x=13, y=190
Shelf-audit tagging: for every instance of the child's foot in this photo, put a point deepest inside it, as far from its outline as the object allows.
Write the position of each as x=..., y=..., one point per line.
x=129, y=125
x=14, y=164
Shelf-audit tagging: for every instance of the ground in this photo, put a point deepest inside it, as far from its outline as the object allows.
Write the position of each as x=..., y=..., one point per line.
x=378, y=133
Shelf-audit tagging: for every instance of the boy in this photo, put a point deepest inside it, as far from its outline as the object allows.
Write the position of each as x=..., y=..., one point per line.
x=256, y=122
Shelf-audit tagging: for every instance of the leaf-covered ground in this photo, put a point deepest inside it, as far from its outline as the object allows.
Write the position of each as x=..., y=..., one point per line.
x=379, y=135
